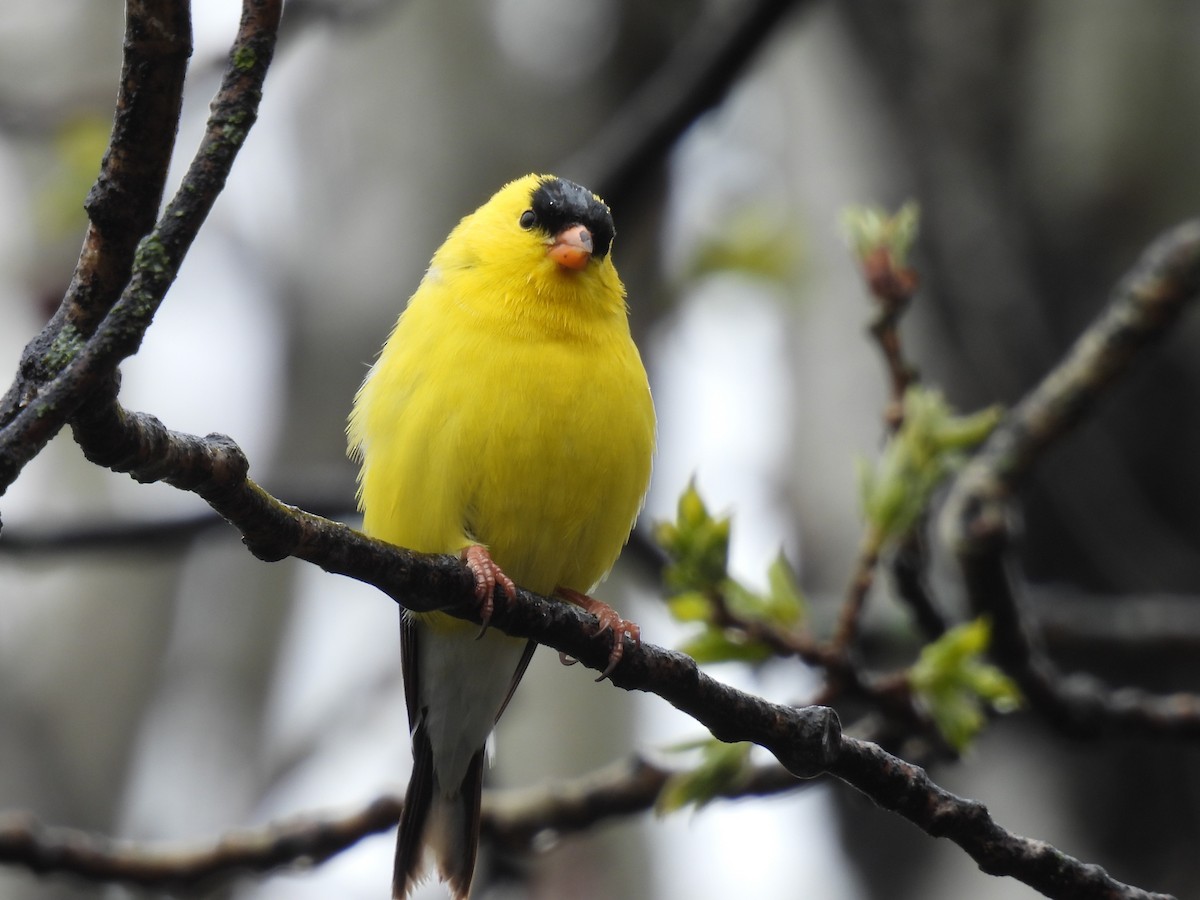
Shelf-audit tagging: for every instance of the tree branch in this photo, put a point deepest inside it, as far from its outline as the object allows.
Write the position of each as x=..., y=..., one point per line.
x=909, y=565
x=706, y=63
x=511, y=819
x=978, y=513
x=882, y=244
x=216, y=469
x=125, y=199
x=807, y=741
x=514, y=819
x=73, y=369
x=43, y=849
x=906, y=789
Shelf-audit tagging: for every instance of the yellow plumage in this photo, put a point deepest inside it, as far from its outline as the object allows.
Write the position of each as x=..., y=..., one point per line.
x=510, y=409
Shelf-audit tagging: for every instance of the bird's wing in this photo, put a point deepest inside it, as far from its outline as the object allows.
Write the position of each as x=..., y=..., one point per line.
x=517, y=676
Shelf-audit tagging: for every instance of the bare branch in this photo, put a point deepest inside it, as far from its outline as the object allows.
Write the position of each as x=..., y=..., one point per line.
x=304, y=839
x=78, y=368
x=906, y=789
x=154, y=534
x=909, y=566
x=215, y=468
x=892, y=284
x=125, y=199
x=978, y=513
x=512, y=819
x=705, y=64
x=861, y=581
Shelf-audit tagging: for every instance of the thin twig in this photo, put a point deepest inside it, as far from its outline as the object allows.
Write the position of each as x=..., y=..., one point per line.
x=909, y=566
x=861, y=582
x=889, y=694
x=154, y=534
x=892, y=283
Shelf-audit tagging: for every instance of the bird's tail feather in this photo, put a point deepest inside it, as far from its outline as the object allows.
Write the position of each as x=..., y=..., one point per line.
x=446, y=823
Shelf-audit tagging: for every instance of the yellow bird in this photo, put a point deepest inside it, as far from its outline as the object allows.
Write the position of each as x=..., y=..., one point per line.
x=509, y=420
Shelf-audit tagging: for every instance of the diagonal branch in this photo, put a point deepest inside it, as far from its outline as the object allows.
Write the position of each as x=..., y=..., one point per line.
x=978, y=512
x=698, y=75
x=216, y=469
x=906, y=789
x=82, y=366
x=807, y=741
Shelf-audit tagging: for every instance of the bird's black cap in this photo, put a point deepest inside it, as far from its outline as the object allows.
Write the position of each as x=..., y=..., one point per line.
x=558, y=203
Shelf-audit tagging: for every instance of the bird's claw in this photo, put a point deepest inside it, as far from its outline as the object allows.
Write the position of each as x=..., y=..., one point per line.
x=487, y=575
x=609, y=620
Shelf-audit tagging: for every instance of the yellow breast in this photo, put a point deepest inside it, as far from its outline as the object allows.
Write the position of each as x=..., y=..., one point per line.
x=511, y=410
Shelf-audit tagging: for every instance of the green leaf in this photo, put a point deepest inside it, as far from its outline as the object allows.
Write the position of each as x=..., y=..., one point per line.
x=929, y=446
x=785, y=602
x=690, y=606
x=868, y=228
x=691, y=510
x=743, y=603
x=723, y=768
x=959, y=686
x=751, y=243
x=697, y=545
x=715, y=645
x=77, y=149
x=696, y=578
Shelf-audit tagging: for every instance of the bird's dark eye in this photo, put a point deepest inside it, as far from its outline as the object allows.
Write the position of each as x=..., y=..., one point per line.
x=528, y=218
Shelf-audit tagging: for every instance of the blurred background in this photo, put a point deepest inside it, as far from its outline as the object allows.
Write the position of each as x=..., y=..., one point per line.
x=173, y=687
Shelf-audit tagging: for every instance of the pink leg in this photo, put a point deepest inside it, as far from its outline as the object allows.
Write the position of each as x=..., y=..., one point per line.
x=487, y=576
x=609, y=621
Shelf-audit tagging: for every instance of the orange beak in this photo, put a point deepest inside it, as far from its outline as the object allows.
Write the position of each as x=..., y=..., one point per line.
x=572, y=247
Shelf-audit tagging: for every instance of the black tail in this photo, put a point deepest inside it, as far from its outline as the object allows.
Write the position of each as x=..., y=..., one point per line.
x=446, y=822
x=413, y=816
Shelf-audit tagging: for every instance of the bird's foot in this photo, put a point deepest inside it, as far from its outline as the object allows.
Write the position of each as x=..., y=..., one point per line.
x=487, y=575
x=610, y=620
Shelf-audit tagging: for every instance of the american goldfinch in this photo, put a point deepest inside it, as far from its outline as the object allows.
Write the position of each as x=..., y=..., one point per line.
x=509, y=420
